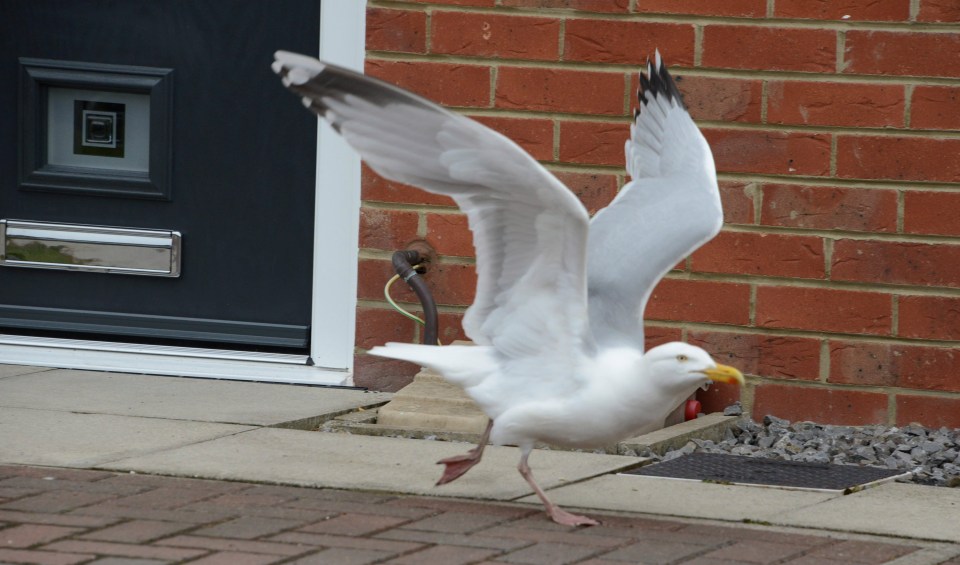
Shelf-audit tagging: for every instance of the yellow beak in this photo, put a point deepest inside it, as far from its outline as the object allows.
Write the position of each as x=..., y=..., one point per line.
x=725, y=374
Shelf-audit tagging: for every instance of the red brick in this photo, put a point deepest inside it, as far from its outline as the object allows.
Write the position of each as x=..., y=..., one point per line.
x=378, y=373
x=759, y=354
x=893, y=364
x=42, y=557
x=627, y=42
x=377, y=326
x=752, y=253
x=457, y=2
x=248, y=527
x=451, y=327
x=396, y=30
x=896, y=262
x=450, y=234
x=939, y=11
x=594, y=190
x=376, y=188
x=582, y=5
x=495, y=35
x=125, y=550
x=235, y=558
x=824, y=406
x=535, y=136
x=898, y=158
x=835, y=104
x=769, y=48
x=353, y=524
x=717, y=397
x=845, y=10
x=560, y=90
x=594, y=143
x=25, y=535
x=930, y=317
x=450, y=283
x=449, y=84
x=446, y=554
x=247, y=546
x=737, y=200
x=902, y=53
x=931, y=411
x=658, y=335
x=935, y=107
x=829, y=207
x=734, y=8
x=770, y=152
x=824, y=310
x=718, y=99
x=931, y=212
x=700, y=301
x=137, y=531
x=389, y=230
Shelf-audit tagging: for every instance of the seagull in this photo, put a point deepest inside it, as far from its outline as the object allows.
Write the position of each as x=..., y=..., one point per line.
x=557, y=326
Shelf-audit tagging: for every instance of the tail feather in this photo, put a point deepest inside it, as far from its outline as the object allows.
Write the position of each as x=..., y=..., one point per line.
x=464, y=365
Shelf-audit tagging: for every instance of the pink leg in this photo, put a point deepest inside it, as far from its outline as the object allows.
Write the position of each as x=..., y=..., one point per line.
x=458, y=465
x=556, y=513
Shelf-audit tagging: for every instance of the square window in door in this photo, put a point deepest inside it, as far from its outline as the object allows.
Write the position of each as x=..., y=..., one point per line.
x=98, y=128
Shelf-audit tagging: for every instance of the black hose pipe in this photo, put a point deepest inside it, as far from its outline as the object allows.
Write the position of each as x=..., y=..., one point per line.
x=403, y=262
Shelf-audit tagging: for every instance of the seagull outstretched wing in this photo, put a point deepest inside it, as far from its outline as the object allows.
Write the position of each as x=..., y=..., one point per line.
x=669, y=208
x=529, y=230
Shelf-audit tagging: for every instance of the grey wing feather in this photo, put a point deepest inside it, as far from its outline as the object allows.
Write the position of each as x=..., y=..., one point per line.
x=670, y=208
x=529, y=230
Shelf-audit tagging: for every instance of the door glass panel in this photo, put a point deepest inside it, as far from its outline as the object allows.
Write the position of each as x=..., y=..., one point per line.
x=98, y=129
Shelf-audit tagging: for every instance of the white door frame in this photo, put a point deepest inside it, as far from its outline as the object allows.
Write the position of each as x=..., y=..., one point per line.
x=333, y=315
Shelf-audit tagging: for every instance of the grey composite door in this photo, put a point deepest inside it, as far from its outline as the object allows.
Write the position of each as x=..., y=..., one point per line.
x=156, y=181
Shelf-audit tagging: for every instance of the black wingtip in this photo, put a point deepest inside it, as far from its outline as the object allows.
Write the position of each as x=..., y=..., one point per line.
x=658, y=82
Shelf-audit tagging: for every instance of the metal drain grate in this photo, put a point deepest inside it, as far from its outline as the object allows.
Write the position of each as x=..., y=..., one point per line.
x=724, y=468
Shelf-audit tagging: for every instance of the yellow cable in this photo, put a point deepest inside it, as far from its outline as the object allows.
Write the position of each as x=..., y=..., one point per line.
x=397, y=307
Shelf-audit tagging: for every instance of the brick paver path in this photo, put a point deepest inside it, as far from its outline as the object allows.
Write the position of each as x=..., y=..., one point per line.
x=56, y=516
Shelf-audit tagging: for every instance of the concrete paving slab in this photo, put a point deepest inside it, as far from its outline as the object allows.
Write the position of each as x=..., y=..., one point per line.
x=14, y=370
x=682, y=498
x=898, y=509
x=64, y=439
x=347, y=461
x=177, y=398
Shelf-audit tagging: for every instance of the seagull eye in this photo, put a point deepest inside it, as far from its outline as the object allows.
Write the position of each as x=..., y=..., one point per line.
x=682, y=358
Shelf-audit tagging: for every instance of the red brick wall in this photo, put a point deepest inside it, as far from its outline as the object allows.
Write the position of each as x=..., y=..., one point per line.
x=836, y=281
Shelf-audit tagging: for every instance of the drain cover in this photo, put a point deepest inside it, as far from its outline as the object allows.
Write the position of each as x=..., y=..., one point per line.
x=754, y=471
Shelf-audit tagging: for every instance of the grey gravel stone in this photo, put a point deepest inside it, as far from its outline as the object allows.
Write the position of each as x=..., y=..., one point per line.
x=932, y=455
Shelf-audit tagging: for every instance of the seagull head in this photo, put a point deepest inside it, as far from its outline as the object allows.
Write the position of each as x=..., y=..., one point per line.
x=683, y=366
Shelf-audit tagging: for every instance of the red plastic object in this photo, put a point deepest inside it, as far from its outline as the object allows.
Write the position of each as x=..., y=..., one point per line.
x=692, y=409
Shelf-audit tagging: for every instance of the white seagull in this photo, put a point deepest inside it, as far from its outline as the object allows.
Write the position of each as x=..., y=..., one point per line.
x=557, y=318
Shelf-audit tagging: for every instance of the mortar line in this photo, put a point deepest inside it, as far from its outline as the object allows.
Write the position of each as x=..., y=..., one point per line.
x=562, y=39
x=827, y=257
x=901, y=210
x=697, y=45
x=914, y=10
x=752, y=306
x=428, y=36
x=833, y=155
x=769, y=22
x=895, y=315
x=764, y=100
x=757, y=190
x=797, y=333
x=908, y=104
x=875, y=288
x=824, y=360
x=891, y=409
x=841, y=50
x=771, y=8
x=494, y=75
x=678, y=69
x=845, y=234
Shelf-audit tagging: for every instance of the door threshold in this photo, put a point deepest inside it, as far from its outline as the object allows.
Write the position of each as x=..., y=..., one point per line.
x=167, y=360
